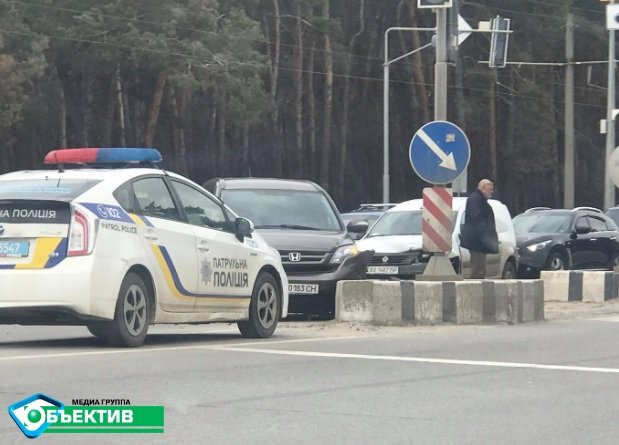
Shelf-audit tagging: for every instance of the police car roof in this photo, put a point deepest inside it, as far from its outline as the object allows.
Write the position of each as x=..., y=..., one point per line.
x=82, y=173
x=267, y=183
x=417, y=204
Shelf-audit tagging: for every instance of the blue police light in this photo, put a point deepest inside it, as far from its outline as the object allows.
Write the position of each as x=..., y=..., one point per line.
x=103, y=155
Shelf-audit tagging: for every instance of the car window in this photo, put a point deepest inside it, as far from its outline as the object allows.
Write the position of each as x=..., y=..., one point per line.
x=57, y=189
x=154, y=199
x=124, y=196
x=613, y=214
x=581, y=222
x=200, y=209
x=271, y=208
x=597, y=224
x=542, y=222
x=397, y=223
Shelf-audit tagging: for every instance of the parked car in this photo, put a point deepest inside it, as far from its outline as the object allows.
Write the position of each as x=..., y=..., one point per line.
x=613, y=213
x=396, y=239
x=119, y=249
x=299, y=219
x=558, y=239
x=365, y=212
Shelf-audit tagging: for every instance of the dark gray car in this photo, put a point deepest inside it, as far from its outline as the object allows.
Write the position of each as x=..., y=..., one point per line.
x=301, y=221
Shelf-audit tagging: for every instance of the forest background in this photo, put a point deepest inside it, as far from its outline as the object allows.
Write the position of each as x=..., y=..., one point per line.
x=294, y=89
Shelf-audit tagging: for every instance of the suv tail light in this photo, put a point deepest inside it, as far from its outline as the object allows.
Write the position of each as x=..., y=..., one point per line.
x=82, y=233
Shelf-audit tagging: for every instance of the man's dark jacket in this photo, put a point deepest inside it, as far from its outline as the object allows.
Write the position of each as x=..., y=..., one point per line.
x=478, y=233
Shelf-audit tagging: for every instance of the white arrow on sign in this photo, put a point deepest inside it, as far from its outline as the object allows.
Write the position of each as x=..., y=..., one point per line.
x=447, y=160
x=463, y=27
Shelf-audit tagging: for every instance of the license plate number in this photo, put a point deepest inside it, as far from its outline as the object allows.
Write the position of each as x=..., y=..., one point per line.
x=17, y=249
x=301, y=288
x=383, y=270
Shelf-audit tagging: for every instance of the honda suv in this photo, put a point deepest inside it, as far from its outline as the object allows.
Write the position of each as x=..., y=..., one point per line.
x=557, y=239
x=299, y=219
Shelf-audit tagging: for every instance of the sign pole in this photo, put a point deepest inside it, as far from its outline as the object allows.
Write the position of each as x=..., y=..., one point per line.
x=439, y=267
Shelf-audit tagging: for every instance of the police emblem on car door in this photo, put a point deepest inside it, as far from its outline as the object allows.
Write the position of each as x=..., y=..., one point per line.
x=227, y=266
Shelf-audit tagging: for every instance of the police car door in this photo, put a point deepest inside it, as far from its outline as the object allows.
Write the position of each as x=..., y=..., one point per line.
x=228, y=266
x=171, y=241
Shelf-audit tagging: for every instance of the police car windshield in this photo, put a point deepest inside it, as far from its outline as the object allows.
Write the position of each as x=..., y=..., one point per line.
x=56, y=189
x=283, y=209
x=397, y=223
x=542, y=222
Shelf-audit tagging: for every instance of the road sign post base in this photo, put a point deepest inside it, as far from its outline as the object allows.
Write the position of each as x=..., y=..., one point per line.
x=439, y=268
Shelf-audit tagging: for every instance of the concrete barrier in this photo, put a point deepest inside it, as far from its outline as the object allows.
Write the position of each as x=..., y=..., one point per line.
x=433, y=302
x=587, y=286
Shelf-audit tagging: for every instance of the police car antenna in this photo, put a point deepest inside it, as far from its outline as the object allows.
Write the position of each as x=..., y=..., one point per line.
x=60, y=166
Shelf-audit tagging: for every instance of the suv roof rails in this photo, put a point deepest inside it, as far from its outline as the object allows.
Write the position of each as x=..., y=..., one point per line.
x=535, y=209
x=591, y=209
x=378, y=205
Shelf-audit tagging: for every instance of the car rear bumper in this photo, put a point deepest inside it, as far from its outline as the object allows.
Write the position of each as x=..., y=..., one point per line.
x=83, y=287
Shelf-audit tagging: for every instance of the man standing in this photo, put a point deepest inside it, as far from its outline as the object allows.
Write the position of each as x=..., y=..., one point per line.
x=479, y=231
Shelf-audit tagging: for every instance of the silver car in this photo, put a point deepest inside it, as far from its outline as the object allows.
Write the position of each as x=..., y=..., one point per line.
x=396, y=240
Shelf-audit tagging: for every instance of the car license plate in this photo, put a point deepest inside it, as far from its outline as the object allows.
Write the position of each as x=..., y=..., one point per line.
x=383, y=270
x=301, y=288
x=17, y=249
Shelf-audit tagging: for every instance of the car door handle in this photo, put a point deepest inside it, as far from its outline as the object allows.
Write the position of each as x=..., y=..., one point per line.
x=203, y=246
x=151, y=236
x=593, y=239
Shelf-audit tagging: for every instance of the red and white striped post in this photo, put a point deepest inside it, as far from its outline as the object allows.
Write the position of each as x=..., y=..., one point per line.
x=436, y=232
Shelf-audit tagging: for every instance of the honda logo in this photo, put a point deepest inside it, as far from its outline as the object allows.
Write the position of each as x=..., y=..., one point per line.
x=1, y=230
x=294, y=257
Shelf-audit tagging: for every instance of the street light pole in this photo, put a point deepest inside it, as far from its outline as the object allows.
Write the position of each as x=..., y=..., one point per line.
x=387, y=63
x=609, y=187
x=440, y=67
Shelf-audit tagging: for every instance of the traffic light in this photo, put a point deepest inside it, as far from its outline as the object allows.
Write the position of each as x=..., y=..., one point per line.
x=499, y=42
x=434, y=3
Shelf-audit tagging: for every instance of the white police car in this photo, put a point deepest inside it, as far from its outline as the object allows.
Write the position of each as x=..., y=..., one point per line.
x=118, y=249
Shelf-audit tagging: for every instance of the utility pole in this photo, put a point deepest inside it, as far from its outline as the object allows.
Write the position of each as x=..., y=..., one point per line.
x=440, y=67
x=609, y=187
x=568, y=163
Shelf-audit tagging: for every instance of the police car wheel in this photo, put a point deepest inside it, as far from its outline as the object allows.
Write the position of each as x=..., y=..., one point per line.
x=264, y=308
x=131, y=320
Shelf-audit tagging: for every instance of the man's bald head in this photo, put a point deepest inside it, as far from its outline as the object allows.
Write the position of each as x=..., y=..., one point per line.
x=486, y=187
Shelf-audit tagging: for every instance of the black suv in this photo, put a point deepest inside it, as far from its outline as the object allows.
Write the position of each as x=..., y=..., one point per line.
x=556, y=239
x=301, y=221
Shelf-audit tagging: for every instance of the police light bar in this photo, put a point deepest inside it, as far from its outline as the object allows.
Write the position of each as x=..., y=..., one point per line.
x=103, y=155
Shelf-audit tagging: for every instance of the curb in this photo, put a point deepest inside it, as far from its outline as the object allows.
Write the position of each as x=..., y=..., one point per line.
x=427, y=302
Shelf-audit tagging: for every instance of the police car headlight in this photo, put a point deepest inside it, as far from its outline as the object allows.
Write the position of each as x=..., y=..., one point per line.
x=344, y=252
x=538, y=246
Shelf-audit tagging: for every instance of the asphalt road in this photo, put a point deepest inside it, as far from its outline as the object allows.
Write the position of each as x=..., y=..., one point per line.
x=315, y=383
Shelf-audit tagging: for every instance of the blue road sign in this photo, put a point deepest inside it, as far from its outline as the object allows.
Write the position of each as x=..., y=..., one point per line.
x=439, y=152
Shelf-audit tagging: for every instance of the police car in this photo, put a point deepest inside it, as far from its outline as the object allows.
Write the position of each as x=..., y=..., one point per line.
x=119, y=249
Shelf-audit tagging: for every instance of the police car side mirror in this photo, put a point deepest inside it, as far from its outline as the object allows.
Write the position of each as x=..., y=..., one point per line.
x=242, y=228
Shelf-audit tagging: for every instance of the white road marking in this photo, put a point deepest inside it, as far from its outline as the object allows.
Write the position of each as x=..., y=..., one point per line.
x=421, y=360
x=146, y=349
